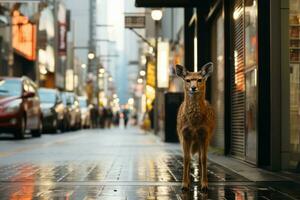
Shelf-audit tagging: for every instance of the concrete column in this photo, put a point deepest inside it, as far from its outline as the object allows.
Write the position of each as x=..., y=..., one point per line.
x=279, y=84
x=285, y=84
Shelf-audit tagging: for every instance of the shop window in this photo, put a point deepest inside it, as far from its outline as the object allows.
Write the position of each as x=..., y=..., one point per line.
x=294, y=59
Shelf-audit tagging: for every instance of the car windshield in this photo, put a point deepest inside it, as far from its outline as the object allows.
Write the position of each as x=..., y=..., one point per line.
x=47, y=96
x=83, y=103
x=10, y=87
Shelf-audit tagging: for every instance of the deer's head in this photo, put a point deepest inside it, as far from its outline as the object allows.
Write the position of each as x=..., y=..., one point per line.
x=195, y=82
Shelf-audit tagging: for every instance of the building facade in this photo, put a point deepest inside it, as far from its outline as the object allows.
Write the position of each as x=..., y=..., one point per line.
x=254, y=45
x=255, y=85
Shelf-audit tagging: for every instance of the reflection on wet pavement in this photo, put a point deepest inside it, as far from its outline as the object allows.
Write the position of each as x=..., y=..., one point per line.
x=126, y=165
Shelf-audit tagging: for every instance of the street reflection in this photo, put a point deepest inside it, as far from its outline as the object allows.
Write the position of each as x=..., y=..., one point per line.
x=153, y=181
x=125, y=177
x=27, y=189
x=227, y=192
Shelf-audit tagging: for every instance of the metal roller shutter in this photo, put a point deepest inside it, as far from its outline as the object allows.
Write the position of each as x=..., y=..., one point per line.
x=238, y=83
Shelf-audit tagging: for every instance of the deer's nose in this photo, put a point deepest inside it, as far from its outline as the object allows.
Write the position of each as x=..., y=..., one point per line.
x=193, y=88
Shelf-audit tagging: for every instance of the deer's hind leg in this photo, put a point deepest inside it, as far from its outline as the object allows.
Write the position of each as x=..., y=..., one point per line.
x=186, y=146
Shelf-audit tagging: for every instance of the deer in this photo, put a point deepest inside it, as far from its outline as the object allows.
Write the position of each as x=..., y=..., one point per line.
x=195, y=122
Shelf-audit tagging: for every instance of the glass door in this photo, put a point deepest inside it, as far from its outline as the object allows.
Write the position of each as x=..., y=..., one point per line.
x=251, y=63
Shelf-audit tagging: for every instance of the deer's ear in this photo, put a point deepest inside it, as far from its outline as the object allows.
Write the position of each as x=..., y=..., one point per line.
x=180, y=71
x=207, y=69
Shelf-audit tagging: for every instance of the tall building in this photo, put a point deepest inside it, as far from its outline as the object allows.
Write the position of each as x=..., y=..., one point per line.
x=79, y=20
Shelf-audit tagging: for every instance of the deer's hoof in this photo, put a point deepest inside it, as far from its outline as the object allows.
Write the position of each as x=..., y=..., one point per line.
x=184, y=188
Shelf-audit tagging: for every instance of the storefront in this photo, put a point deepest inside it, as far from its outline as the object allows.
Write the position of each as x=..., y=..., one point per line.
x=244, y=81
x=5, y=41
x=255, y=56
x=46, y=52
x=24, y=45
x=234, y=84
x=52, y=46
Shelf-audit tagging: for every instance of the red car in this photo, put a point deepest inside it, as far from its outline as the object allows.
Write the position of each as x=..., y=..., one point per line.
x=19, y=107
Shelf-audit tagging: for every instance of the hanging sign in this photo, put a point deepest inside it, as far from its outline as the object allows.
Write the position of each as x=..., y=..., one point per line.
x=135, y=21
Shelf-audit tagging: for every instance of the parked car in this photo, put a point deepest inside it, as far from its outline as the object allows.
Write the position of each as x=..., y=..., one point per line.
x=52, y=109
x=19, y=107
x=85, y=112
x=67, y=110
x=74, y=114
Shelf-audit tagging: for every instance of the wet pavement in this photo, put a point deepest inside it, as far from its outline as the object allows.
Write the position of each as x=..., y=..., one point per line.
x=116, y=164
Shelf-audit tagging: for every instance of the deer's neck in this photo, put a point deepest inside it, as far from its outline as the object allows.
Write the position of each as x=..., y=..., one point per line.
x=195, y=101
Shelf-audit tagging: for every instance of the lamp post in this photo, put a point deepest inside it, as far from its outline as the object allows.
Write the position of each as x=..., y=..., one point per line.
x=156, y=15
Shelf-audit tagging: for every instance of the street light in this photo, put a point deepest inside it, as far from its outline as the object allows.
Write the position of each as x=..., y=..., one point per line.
x=91, y=55
x=142, y=73
x=110, y=79
x=156, y=14
x=83, y=66
x=140, y=81
x=102, y=70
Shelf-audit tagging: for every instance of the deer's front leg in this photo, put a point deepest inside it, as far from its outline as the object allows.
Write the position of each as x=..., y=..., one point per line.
x=204, y=180
x=204, y=141
x=186, y=165
x=200, y=165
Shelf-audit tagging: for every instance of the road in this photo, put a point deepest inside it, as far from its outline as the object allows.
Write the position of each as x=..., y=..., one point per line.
x=115, y=164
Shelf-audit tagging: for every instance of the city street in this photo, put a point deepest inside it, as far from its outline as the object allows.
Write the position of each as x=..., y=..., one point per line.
x=94, y=94
x=116, y=164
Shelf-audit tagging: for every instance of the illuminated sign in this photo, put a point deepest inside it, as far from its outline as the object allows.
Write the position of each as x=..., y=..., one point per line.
x=23, y=36
x=163, y=64
x=151, y=73
x=62, y=28
x=62, y=45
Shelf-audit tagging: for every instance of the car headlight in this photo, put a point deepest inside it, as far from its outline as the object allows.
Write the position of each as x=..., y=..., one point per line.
x=12, y=107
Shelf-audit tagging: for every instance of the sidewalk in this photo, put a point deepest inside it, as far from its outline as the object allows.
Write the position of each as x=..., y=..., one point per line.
x=124, y=164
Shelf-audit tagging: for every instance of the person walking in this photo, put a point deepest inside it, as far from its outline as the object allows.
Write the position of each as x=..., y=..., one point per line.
x=116, y=119
x=109, y=117
x=125, y=116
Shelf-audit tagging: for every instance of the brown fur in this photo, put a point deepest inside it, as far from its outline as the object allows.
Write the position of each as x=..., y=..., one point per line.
x=195, y=122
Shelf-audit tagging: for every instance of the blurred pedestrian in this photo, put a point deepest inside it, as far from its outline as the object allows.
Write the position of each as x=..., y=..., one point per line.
x=109, y=117
x=116, y=119
x=135, y=119
x=151, y=114
x=103, y=114
x=125, y=116
x=94, y=115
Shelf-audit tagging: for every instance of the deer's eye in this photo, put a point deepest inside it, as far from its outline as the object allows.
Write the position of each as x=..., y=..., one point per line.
x=188, y=80
x=199, y=80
